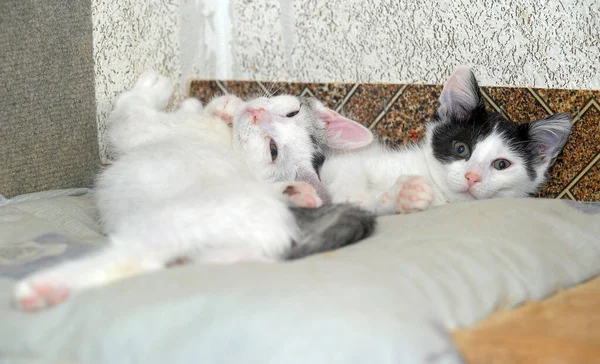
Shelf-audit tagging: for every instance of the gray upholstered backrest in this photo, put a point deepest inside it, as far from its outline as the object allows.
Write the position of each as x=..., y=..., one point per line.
x=48, y=133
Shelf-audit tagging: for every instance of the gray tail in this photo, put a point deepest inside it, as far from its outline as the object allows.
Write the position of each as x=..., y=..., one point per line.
x=329, y=227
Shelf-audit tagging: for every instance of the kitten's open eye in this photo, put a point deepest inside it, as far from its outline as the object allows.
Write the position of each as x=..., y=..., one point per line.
x=462, y=149
x=273, y=149
x=292, y=114
x=501, y=164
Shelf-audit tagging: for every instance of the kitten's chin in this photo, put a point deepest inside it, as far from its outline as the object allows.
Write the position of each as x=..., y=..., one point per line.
x=478, y=195
x=469, y=195
x=465, y=195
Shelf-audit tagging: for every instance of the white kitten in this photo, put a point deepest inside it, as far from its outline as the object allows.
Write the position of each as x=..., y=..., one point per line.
x=467, y=154
x=186, y=185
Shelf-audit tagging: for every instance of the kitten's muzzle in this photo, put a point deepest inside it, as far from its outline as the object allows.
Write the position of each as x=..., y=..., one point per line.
x=472, y=178
x=258, y=115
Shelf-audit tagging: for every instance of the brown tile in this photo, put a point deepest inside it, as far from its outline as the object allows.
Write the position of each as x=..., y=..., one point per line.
x=559, y=177
x=569, y=101
x=517, y=103
x=244, y=89
x=588, y=187
x=405, y=120
x=368, y=101
x=204, y=90
x=285, y=88
x=581, y=148
x=330, y=94
x=489, y=106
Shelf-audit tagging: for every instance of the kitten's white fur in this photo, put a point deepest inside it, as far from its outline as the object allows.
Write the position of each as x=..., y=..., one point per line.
x=182, y=186
x=398, y=181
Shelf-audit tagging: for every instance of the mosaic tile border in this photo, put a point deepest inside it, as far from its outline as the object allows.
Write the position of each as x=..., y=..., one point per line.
x=397, y=113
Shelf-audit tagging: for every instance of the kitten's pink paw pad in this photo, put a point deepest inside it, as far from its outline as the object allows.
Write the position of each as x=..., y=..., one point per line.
x=416, y=194
x=32, y=297
x=302, y=194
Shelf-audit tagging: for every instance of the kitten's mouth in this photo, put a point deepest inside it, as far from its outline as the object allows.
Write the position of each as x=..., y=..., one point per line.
x=469, y=192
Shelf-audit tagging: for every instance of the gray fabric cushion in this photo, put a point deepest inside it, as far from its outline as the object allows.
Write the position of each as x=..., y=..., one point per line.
x=392, y=298
x=48, y=127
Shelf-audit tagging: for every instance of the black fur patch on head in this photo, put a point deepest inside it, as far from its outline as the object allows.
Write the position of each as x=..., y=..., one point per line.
x=468, y=131
x=461, y=122
x=475, y=129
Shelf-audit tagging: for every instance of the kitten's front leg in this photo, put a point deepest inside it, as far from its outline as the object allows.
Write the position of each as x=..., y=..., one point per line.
x=409, y=194
x=54, y=285
x=225, y=108
x=300, y=194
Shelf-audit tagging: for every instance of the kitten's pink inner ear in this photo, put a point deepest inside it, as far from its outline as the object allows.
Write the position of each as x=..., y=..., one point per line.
x=343, y=133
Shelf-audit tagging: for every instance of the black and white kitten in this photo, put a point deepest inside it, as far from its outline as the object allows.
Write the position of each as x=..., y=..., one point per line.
x=468, y=153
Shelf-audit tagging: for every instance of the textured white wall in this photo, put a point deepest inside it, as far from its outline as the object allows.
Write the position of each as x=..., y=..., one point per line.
x=539, y=43
x=206, y=39
x=130, y=37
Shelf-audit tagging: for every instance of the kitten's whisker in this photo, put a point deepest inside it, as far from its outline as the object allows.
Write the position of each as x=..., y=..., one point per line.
x=270, y=89
x=274, y=89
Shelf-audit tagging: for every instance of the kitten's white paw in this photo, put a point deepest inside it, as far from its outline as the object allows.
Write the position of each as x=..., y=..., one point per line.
x=225, y=108
x=414, y=193
x=191, y=105
x=301, y=194
x=153, y=87
x=33, y=295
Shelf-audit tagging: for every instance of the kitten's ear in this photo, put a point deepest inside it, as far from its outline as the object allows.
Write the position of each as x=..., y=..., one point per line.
x=342, y=133
x=549, y=135
x=460, y=96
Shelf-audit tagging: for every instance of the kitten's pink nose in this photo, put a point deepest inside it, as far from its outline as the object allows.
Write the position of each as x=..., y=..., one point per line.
x=256, y=114
x=472, y=178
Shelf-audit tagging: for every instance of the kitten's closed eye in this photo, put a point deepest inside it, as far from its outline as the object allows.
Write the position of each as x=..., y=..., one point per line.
x=292, y=114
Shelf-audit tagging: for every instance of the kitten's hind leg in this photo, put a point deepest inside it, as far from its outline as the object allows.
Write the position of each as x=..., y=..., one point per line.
x=155, y=89
x=137, y=117
x=54, y=285
x=228, y=256
x=150, y=92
